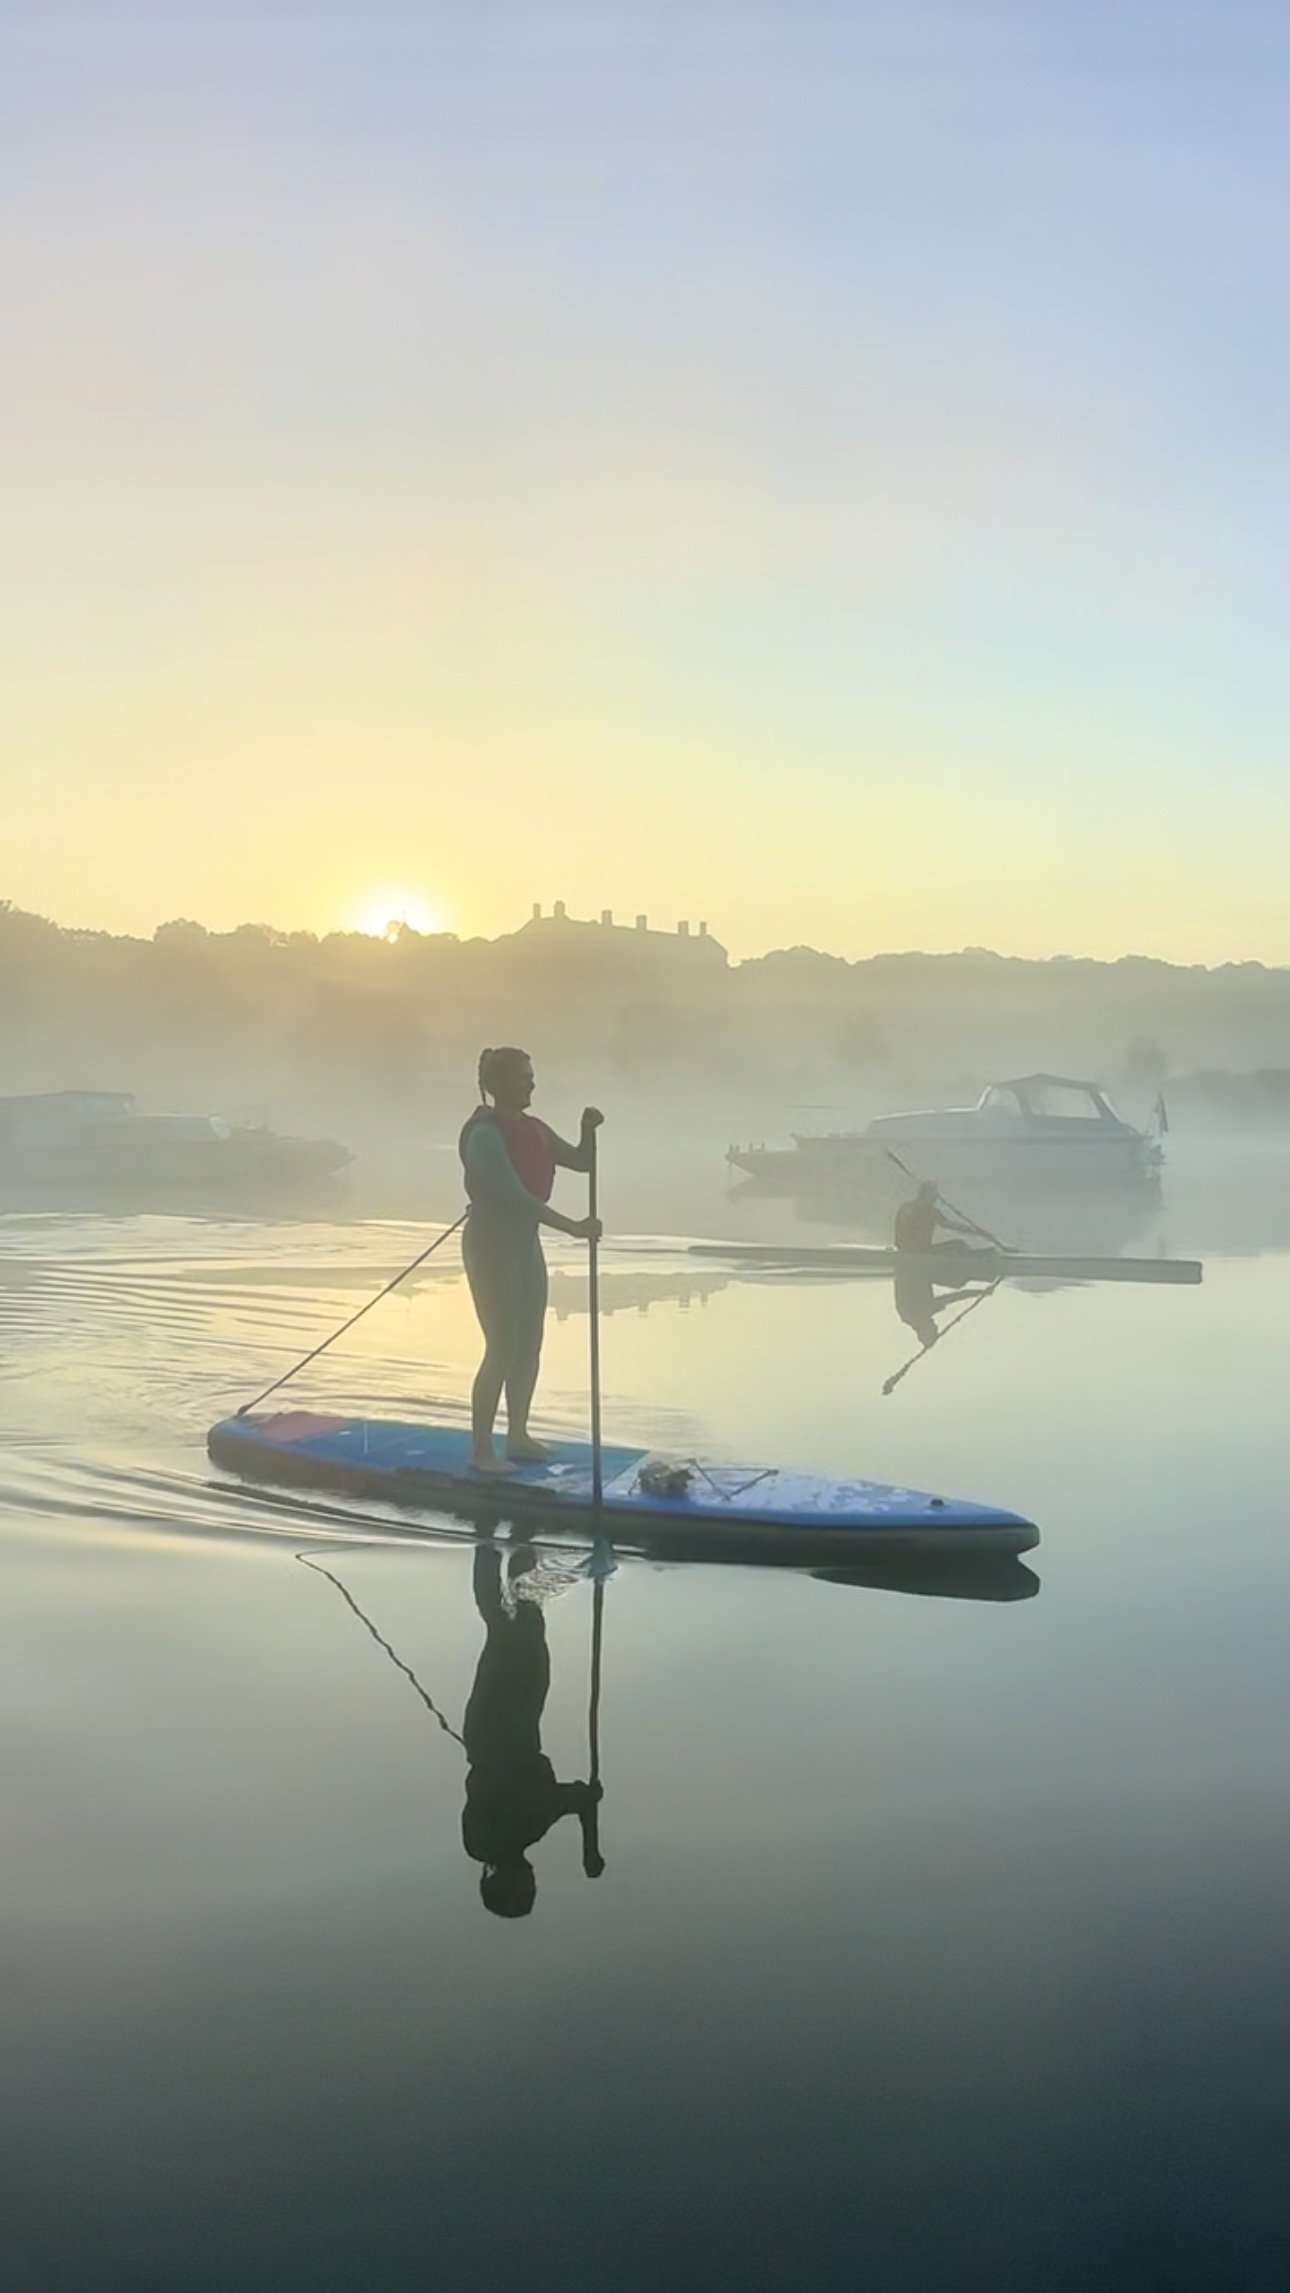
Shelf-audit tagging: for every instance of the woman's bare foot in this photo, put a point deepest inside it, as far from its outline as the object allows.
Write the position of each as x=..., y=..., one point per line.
x=496, y=1468
x=525, y=1450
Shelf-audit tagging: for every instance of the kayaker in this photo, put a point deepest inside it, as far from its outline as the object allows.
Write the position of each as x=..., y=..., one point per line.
x=918, y=1221
x=510, y=1159
x=512, y=1795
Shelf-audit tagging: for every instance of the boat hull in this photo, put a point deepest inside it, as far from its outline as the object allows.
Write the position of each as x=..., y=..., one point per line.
x=828, y=1166
x=117, y=1165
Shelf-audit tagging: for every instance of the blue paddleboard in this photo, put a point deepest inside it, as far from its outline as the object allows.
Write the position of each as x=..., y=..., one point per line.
x=755, y=1510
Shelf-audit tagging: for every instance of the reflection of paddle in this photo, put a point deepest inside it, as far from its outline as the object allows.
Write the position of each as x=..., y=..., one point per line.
x=593, y=1862
x=892, y=1382
x=971, y=1223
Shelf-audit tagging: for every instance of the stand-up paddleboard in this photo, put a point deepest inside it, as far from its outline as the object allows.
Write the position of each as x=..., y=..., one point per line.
x=753, y=1511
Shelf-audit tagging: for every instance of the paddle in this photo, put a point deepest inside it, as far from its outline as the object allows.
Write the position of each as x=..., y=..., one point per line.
x=593, y=1862
x=953, y=1207
x=593, y=1312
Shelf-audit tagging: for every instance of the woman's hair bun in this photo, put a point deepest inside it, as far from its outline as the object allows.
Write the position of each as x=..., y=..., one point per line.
x=491, y=1061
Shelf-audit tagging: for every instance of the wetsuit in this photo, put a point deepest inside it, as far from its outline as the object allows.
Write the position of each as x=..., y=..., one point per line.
x=510, y=1162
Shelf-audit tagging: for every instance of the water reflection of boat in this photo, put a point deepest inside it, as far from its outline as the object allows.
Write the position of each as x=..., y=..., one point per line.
x=1055, y=1220
x=1051, y=1128
x=94, y=1146
x=1003, y=1579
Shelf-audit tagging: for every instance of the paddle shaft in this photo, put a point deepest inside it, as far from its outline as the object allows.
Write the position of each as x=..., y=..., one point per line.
x=593, y=1862
x=593, y=1315
x=976, y=1228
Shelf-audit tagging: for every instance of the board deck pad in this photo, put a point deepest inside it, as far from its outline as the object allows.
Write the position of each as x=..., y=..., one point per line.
x=725, y=1506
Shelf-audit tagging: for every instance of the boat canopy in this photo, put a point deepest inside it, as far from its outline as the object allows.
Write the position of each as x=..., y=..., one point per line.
x=39, y=1116
x=1063, y=1097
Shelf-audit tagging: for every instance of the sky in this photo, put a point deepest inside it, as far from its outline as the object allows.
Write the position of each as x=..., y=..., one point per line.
x=819, y=468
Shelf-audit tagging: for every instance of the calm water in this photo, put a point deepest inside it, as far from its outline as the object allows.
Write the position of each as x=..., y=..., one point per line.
x=940, y=1940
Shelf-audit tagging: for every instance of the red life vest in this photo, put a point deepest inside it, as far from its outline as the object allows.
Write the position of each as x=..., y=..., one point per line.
x=529, y=1143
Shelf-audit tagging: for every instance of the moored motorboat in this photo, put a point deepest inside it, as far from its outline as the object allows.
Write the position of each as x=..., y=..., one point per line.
x=1053, y=1128
x=56, y=1144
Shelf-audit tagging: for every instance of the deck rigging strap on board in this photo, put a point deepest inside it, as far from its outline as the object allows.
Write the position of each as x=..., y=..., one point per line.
x=729, y=1496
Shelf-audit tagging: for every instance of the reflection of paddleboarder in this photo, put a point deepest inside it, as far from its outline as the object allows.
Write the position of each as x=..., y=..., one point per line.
x=512, y=1795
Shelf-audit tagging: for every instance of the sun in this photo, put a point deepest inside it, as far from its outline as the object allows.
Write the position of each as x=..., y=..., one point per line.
x=382, y=914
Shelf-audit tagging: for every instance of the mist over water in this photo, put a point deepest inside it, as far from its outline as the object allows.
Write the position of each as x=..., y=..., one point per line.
x=373, y=1042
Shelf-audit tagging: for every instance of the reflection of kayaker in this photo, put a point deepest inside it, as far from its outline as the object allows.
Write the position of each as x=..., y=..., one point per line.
x=918, y=1303
x=512, y=1795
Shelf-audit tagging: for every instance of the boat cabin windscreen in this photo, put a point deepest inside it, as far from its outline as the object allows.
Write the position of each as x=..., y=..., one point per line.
x=1064, y=1102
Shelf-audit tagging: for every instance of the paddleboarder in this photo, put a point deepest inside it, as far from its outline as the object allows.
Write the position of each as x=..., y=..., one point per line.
x=510, y=1158
x=512, y=1794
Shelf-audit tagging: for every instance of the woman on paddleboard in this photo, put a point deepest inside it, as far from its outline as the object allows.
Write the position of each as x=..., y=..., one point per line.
x=510, y=1159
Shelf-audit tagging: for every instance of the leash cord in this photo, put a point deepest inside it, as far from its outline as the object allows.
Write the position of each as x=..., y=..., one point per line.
x=305, y=1360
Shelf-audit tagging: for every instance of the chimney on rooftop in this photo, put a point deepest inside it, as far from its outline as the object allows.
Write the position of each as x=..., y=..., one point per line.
x=703, y=931
x=683, y=931
x=607, y=917
x=558, y=911
x=537, y=911
x=642, y=923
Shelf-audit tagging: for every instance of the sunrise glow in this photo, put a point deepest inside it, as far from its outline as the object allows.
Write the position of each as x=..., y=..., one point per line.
x=384, y=913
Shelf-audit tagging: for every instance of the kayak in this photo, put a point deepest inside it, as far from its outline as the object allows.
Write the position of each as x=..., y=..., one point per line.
x=685, y=1506
x=951, y=1265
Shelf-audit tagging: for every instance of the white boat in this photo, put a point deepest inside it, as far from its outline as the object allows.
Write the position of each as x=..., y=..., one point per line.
x=1055, y=1128
x=53, y=1143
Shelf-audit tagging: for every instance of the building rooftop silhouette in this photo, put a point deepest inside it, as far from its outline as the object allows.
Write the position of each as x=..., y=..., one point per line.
x=686, y=944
